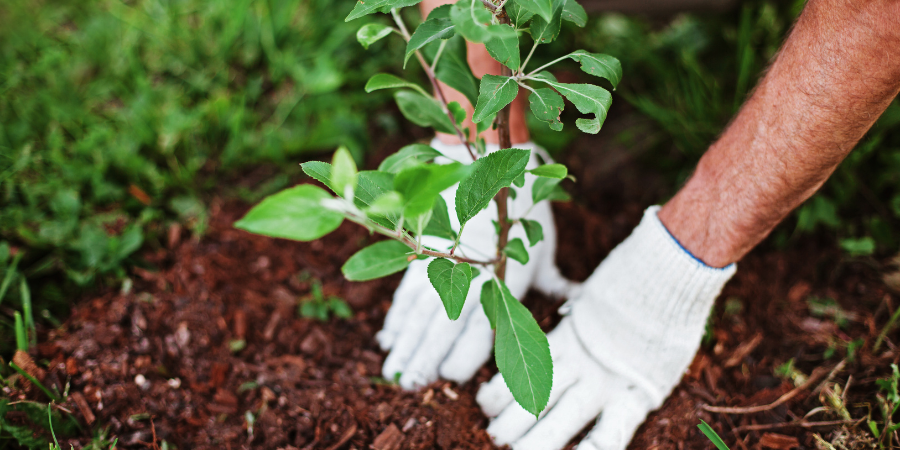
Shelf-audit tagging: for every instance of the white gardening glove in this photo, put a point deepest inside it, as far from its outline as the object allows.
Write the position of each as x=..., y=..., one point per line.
x=424, y=344
x=624, y=345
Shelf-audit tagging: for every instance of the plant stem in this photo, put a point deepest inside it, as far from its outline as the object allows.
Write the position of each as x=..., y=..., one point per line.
x=412, y=243
x=528, y=58
x=429, y=71
x=545, y=65
x=503, y=134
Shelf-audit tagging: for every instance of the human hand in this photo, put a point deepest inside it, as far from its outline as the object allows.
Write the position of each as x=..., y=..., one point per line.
x=424, y=343
x=624, y=345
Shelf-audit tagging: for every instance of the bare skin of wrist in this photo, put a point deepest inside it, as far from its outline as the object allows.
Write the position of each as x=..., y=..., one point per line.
x=835, y=75
x=481, y=63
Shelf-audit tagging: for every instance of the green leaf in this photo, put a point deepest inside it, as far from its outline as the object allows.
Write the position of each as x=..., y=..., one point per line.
x=424, y=111
x=370, y=185
x=492, y=173
x=547, y=105
x=490, y=301
x=421, y=185
x=712, y=436
x=573, y=12
x=520, y=180
x=495, y=93
x=343, y=173
x=418, y=223
x=543, y=8
x=505, y=48
x=430, y=30
x=521, y=348
x=548, y=189
x=441, y=12
x=586, y=97
x=319, y=170
x=451, y=281
x=388, y=81
x=516, y=250
x=387, y=203
x=459, y=113
x=295, y=213
x=533, y=230
x=377, y=260
x=558, y=171
x=366, y=7
x=863, y=246
x=370, y=33
x=518, y=15
x=454, y=70
x=599, y=64
x=409, y=156
x=545, y=30
x=471, y=20
x=439, y=225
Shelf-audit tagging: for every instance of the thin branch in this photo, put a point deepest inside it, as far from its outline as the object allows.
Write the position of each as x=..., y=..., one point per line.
x=528, y=58
x=800, y=424
x=434, y=83
x=437, y=56
x=489, y=5
x=813, y=379
x=503, y=135
x=545, y=65
x=412, y=243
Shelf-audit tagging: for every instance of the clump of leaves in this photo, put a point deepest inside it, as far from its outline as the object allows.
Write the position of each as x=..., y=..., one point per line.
x=401, y=200
x=318, y=306
x=888, y=403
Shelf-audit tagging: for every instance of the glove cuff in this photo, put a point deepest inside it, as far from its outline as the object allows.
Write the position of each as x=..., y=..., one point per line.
x=645, y=307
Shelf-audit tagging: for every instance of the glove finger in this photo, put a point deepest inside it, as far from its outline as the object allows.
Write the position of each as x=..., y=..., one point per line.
x=471, y=349
x=620, y=419
x=579, y=405
x=515, y=421
x=408, y=339
x=409, y=290
x=435, y=344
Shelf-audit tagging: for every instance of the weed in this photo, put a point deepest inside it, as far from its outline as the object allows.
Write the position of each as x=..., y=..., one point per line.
x=317, y=306
x=888, y=402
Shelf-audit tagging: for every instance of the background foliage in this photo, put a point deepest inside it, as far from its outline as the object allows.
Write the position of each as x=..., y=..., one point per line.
x=115, y=118
x=119, y=117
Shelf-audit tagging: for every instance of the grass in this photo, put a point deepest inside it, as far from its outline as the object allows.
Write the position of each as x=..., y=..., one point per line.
x=118, y=118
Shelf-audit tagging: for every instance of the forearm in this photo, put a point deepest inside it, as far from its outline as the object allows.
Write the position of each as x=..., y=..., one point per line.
x=837, y=72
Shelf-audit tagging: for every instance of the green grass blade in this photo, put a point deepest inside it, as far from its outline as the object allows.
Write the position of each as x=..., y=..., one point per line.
x=21, y=337
x=25, y=294
x=10, y=272
x=35, y=382
x=711, y=434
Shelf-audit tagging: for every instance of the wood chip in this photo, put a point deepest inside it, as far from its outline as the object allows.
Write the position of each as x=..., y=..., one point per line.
x=778, y=441
x=452, y=395
x=410, y=424
x=240, y=324
x=345, y=436
x=269, y=330
x=743, y=351
x=84, y=407
x=389, y=439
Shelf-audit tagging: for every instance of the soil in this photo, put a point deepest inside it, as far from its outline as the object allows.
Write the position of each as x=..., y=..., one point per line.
x=212, y=336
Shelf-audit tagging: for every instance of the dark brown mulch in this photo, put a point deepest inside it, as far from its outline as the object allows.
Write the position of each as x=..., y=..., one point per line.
x=214, y=335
